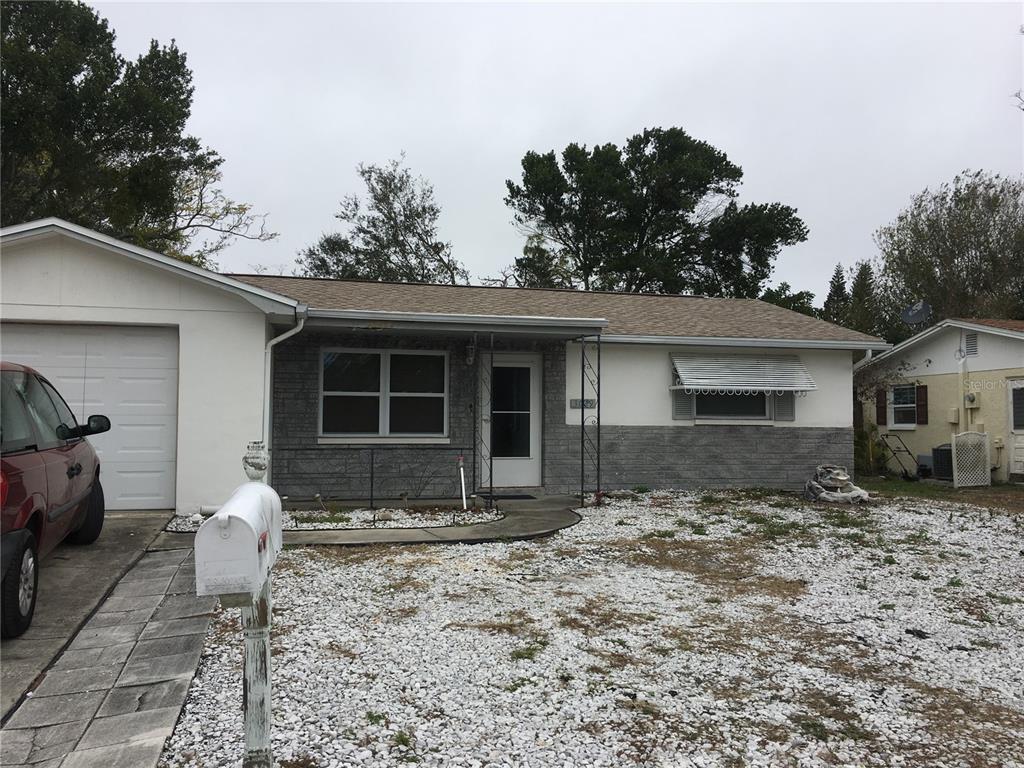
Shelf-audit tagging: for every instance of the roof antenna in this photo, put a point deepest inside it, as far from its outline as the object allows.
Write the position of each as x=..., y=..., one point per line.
x=917, y=314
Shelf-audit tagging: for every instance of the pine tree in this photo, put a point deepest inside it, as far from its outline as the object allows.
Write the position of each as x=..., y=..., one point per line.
x=862, y=314
x=837, y=304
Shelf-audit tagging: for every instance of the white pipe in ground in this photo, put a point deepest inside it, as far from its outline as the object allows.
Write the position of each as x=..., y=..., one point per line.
x=462, y=480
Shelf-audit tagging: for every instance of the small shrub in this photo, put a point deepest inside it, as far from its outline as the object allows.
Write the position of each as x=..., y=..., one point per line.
x=920, y=576
x=641, y=489
x=955, y=582
x=376, y=718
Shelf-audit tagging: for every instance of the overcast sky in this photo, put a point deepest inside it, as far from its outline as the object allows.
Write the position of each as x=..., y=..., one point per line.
x=843, y=111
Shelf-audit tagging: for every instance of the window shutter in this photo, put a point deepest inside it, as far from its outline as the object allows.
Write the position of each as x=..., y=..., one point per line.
x=881, y=408
x=682, y=405
x=922, y=404
x=785, y=406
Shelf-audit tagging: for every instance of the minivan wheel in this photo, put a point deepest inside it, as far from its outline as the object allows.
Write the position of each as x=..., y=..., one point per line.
x=19, y=589
x=92, y=523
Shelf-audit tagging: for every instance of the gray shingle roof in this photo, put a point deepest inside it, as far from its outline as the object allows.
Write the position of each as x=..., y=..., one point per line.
x=628, y=314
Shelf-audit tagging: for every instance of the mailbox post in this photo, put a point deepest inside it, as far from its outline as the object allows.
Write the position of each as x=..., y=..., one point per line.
x=236, y=549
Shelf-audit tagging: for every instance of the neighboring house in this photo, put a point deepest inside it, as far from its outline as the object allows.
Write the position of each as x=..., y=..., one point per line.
x=957, y=376
x=392, y=383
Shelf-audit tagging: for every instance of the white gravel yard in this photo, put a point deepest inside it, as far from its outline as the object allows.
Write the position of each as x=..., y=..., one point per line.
x=673, y=630
x=333, y=520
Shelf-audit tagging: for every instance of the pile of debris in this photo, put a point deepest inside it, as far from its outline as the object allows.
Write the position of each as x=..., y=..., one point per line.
x=832, y=483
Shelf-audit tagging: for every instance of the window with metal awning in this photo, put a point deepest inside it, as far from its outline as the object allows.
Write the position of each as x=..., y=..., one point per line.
x=740, y=374
x=748, y=387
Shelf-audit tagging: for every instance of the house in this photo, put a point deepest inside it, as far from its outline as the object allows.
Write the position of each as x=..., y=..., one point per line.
x=956, y=376
x=378, y=387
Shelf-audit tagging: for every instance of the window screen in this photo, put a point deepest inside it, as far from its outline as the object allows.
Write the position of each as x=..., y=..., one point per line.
x=715, y=405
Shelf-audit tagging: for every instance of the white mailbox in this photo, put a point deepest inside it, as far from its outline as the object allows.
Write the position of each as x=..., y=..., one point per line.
x=238, y=545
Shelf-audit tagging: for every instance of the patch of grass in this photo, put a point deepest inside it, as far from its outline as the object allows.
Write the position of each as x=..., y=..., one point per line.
x=518, y=623
x=887, y=606
x=889, y=560
x=530, y=652
x=598, y=614
x=1003, y=599
x=1005, y=497
x=313, y=516
x=519, y=682
x=919, y=576
x=622, y=522
x=376, y=718
x=918, y=538
x=641, y=489
x=661, y=534
x=955, y=582
x=709, y=500
x=299, y=761
x=811, y=727
x=843, y=517
x=405, y=582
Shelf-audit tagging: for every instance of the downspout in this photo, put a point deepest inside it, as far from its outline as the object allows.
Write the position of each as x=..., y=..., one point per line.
x=301, y=313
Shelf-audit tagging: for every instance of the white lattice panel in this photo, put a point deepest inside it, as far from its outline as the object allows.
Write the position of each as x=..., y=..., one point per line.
x=971, y=460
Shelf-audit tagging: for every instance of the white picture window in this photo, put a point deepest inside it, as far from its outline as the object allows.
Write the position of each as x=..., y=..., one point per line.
x=904, y=406
x=381, y=393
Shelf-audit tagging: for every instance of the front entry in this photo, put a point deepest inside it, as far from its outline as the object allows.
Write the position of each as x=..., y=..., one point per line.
x=1017, y=427
x=511, y=420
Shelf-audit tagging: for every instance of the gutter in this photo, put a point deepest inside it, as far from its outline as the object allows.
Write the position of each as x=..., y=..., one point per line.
x=719, y=341
x=301, y=313
x=387, y=319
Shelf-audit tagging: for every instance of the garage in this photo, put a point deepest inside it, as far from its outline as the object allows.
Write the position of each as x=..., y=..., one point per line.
x=175, y=355
x=127, y=373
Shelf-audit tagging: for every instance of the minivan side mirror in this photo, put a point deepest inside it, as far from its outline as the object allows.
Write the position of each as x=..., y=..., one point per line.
x=93, y=426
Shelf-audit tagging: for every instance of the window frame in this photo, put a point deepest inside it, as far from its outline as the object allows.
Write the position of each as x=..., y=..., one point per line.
x=384, y=394
x=893, y=407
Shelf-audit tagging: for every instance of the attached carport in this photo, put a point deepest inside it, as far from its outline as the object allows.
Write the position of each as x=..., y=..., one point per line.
x=175, y=355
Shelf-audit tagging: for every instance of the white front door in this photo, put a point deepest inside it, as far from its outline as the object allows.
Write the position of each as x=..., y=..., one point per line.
x=127, y=373
x=511, y=420
x=1017, y=426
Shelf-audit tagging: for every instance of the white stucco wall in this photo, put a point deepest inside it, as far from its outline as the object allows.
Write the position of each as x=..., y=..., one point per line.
x=635, y=380
x=936, y=355
x=221, y=337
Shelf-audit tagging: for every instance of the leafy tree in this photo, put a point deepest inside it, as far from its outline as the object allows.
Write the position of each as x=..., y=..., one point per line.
x=960, y=248
x=99, y=141
x=391, y=237
x=801, y=301
x=657, y=215
x=862, y=314
x=536, y=268
x=837, y=303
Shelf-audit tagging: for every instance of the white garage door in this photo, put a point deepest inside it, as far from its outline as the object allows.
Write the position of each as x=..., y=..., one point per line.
x=128, y=373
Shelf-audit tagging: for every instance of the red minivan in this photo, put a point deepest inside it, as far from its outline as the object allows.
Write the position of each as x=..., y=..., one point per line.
x=49, y=485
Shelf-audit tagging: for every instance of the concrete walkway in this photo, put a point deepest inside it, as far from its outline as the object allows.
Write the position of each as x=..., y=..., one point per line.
x=524, y=519
x=114, y=696
x=73, y=580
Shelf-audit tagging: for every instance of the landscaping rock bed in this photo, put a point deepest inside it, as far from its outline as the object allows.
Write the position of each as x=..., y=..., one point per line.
x=334, y=520
x=667, y=630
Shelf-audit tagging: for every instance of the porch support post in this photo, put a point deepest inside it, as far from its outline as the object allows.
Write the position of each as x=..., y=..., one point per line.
x=583, y=421
x=490, y=425
x=476, y=410
x=598, y=404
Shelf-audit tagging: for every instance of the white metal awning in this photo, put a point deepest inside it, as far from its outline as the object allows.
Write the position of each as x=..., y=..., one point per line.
x=741, y=374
